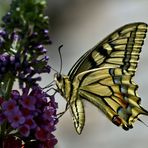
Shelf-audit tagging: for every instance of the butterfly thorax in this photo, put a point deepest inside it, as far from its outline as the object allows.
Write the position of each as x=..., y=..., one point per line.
x=64, y=85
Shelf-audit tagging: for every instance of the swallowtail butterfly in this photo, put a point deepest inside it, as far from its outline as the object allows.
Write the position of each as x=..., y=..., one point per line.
x=104, y=77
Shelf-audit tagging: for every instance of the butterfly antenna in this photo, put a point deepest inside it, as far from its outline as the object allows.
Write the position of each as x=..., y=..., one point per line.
x=142, y=122
x=51, y=83
x=59, y=49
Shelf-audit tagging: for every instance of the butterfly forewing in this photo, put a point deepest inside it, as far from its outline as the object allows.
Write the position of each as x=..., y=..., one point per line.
x=119, y=49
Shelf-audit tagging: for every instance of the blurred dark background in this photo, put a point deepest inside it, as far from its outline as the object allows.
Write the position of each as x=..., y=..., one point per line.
x=79, y=25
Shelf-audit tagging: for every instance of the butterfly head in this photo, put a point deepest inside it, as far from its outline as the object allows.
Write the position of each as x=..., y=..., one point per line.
x=58, y=79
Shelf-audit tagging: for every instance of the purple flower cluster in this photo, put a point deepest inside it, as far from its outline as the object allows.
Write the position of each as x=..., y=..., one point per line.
x=29, y=116
x=12, y=142
x=27, y=63
x=2, y=37
x=32, y=114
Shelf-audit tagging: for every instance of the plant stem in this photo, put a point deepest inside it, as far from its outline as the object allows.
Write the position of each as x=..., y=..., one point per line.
x=8, y=87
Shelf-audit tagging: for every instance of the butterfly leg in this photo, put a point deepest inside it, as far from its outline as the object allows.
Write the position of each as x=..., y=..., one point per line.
x=66, y=108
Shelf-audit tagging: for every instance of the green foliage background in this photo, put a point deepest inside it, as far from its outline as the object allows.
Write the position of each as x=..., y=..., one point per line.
x=4, y=6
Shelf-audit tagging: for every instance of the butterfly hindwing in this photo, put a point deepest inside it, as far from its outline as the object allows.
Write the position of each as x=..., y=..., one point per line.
x=119, y=49
x=112, y=92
